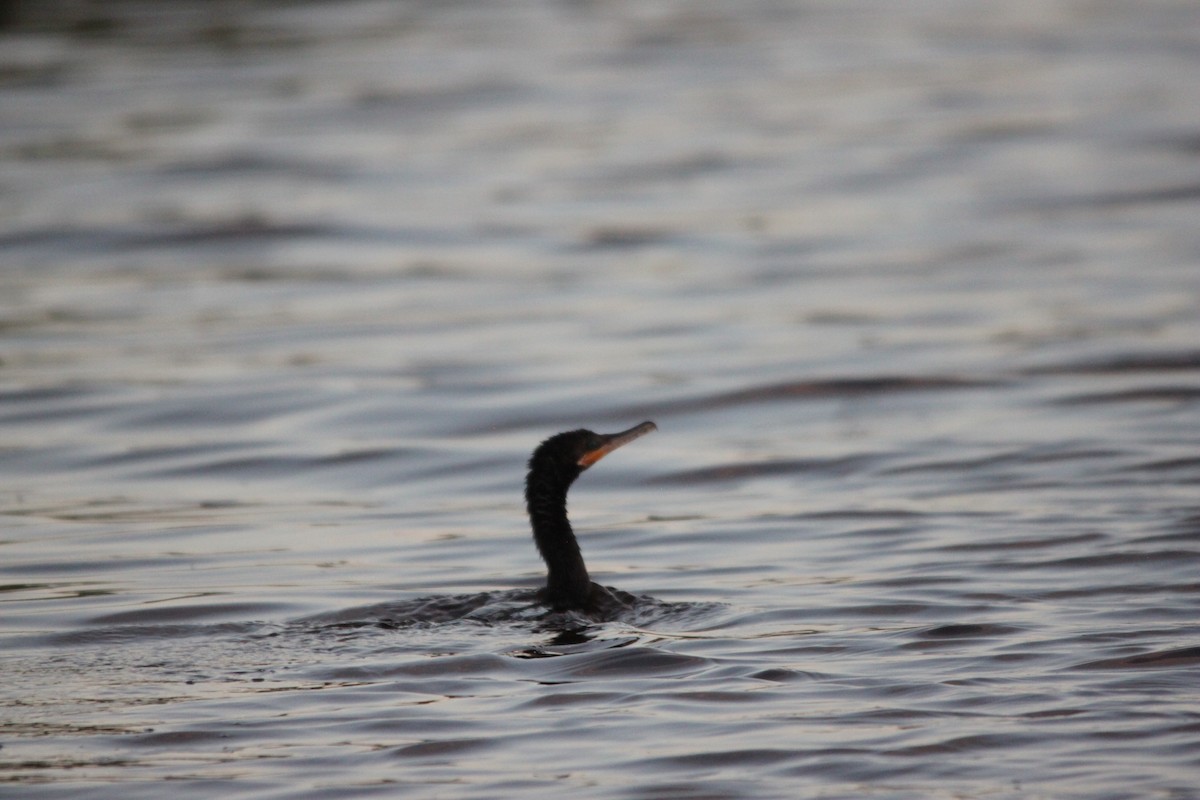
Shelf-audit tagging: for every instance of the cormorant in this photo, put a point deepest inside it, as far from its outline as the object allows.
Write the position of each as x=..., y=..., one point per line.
x=553, y=467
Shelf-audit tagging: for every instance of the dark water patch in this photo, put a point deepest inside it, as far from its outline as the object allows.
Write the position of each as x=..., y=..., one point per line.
x=403, y=728
x=43, y=394
x=1181, y=193
x=1185, y=141
x=974, y=745
x=1179, y=657
x=34, y=592
x=1186, y=528
x=779, y=621
x=64, y=729
x=219, y=409
x=628, y=663
x=189, y=738
x=159, y=630
x=59, y=149
x=445, y=749
x=682, y=699
x=1168, y=465
x=26, y=772
x=159, y=615
x=456, y=666
x=571, y=699
x=1156, y=394
x=895, y=715
x=705, y=761
x=968, y=631
x=876, y=532
x=1162, y=588
x=781, y=675
x=238, y=231
x=280, y=466
x=1038, y=455
x=289, y=274
x=129, y=510
x=89, y=568
x=489, y=465
x=833, y=388
x=256, y=164
x=143, y=455
x=952, y=583
x=677, y=168
x=859, y=514
x=894, y=611
x=1171, y=361
x=1055, y=713
x=838, y=466
x=624, y=238
x=14, y=75
x=711, y=789
x=1027, y=544
x=1123, y=558
x=438, y=100
x=26, y=587
x=24, y=411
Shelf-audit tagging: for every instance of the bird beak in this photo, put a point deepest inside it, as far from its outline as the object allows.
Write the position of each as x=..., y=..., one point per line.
x=611, y=441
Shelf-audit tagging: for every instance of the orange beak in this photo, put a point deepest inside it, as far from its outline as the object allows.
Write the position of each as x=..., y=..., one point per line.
x=611, y=441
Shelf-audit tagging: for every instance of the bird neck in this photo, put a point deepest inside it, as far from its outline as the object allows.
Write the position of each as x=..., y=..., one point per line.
x=568, y=584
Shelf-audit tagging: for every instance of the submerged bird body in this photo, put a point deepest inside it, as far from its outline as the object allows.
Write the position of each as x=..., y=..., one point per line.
x=553, y=467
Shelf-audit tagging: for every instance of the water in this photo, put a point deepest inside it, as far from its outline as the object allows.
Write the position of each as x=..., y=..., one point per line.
x=290, y=290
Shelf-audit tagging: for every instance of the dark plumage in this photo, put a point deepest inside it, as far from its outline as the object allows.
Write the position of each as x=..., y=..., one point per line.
x=553, y=467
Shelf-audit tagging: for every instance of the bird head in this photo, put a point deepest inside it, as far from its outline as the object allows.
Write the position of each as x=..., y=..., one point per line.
x=566, y=455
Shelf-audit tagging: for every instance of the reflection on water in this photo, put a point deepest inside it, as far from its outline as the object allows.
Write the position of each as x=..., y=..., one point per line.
x=290, y=290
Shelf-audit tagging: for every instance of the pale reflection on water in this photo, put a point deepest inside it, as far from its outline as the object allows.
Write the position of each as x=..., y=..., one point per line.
x=288, y=292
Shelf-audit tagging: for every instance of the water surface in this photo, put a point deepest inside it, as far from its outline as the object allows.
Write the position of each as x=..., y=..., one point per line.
x=289, y=292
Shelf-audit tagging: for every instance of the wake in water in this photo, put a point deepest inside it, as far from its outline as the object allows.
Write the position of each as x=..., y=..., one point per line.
x=570, y=598
x=511, y=607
